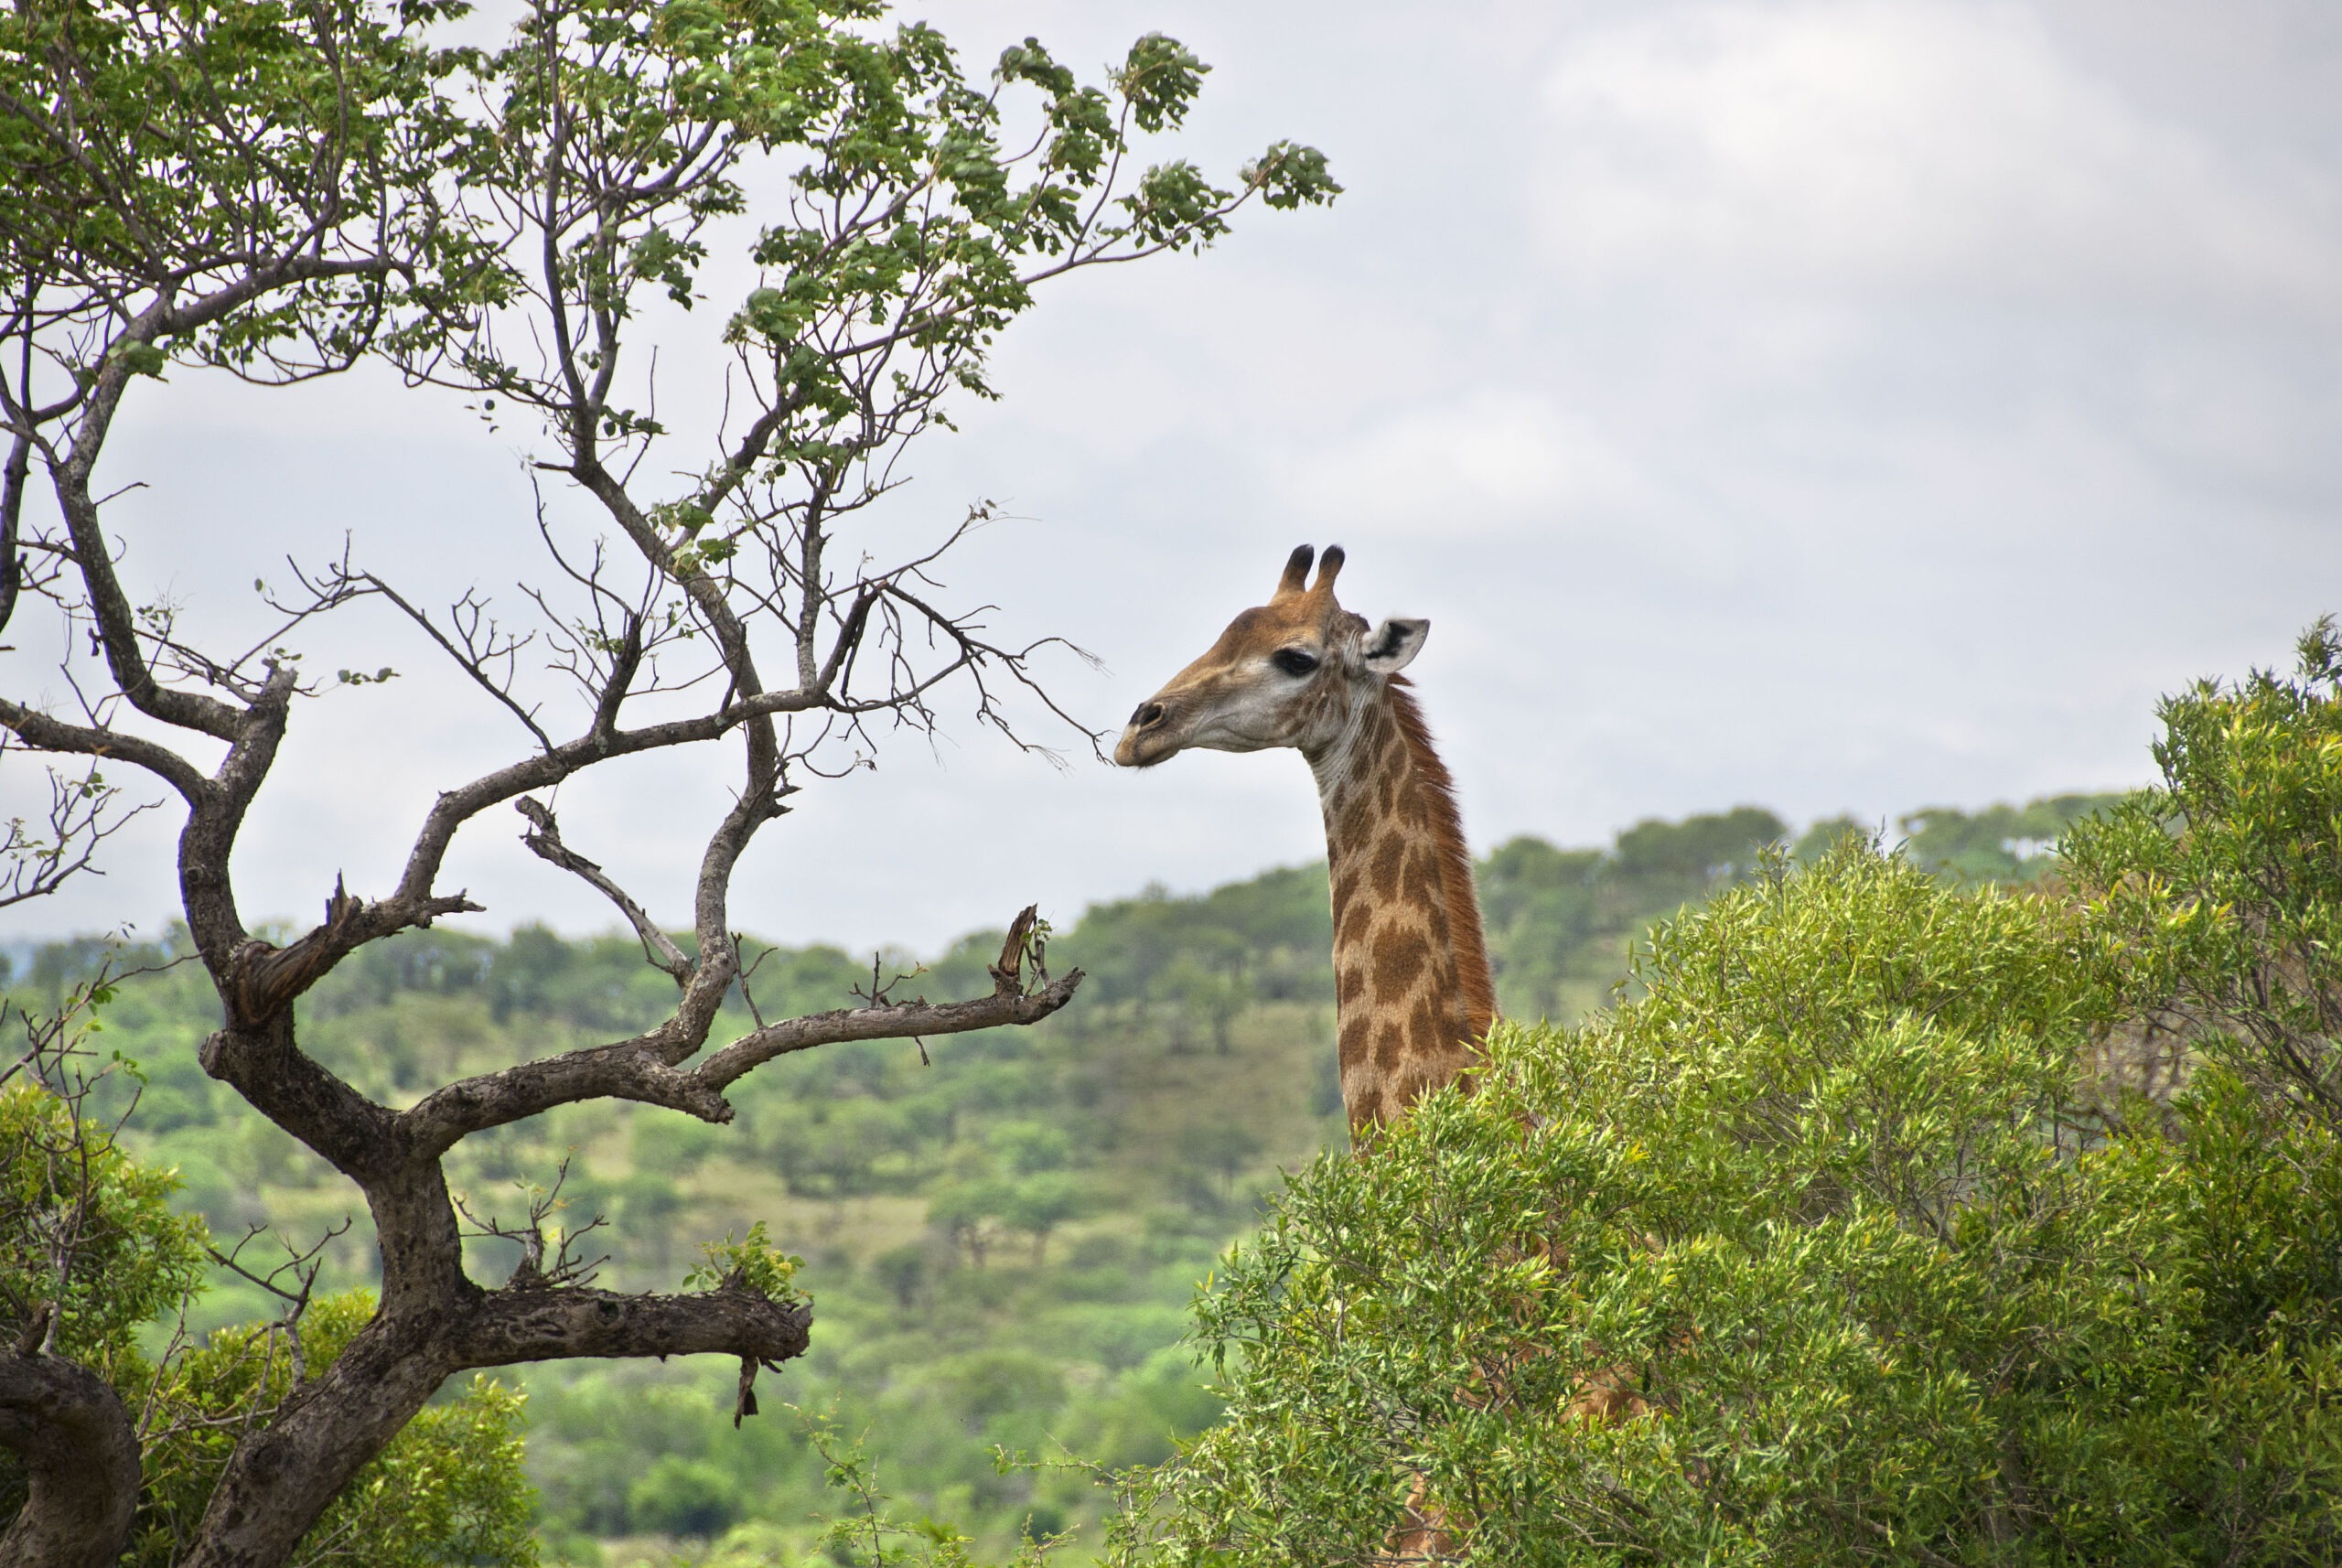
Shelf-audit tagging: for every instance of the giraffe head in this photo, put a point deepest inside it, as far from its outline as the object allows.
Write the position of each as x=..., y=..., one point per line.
x=1289, y=672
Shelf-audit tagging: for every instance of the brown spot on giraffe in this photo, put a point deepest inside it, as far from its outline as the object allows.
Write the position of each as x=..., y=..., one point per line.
x=1390, y=1045
x=1424, y=1030
x=1401, y=953
x=1419, y=883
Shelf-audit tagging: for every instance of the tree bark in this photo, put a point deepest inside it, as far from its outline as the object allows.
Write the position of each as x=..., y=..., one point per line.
x=80, y=1456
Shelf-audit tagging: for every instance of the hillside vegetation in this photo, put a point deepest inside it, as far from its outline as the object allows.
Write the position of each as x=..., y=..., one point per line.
x=1003, y=1232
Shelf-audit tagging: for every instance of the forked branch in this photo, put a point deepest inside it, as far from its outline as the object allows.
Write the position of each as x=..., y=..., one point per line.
x=264, y=979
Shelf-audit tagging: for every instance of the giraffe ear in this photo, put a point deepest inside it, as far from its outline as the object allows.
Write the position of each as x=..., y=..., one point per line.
x=1393, y=645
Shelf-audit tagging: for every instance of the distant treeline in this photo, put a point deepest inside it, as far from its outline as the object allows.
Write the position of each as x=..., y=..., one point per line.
x=1559, y=919
x=1556, y=919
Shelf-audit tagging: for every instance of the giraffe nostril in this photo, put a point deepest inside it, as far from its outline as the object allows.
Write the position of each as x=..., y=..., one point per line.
x=1148, y=716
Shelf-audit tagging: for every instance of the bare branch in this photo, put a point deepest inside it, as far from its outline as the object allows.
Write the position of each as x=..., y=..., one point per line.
x=638, y=1069
x=480, y=645
x=528, y=1322
x=117, y=623
x=41, y=733
x=12, y=502
x=568, y=1268
x=905, y=1021
x=301, y=1263
x=543, y=839
x=82, y=815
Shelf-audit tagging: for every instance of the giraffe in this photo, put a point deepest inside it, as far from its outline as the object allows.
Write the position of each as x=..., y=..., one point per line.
x=1414, y=993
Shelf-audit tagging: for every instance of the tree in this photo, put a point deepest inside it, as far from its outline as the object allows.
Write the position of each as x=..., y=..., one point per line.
x=1217, y=997
x=966, y=1212
x=1700, y=849
x=1843, y=1224
x=280, y=192
x=903, y=1270
x=1223, y=1148
x=1999, y=844
x=1037, y=1204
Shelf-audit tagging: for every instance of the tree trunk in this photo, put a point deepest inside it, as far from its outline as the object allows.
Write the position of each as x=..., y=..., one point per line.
x=282, y=1477
x=80, y=1456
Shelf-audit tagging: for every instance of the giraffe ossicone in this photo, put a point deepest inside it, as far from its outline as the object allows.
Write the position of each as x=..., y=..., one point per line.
x=1413, y=992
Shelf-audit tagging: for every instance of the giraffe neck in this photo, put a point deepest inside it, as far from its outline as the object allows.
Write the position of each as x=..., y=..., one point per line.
x=1410, y=966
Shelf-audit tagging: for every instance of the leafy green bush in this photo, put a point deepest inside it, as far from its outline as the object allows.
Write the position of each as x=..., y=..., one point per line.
x=68, y=1191
x=1832, y=1218
x=685, y=1497
x=2226, y=882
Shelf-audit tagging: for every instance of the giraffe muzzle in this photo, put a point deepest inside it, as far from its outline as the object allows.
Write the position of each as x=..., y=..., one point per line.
x=1147, y=739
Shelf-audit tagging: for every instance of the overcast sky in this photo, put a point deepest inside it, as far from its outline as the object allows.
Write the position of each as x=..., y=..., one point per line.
x=1845, y=406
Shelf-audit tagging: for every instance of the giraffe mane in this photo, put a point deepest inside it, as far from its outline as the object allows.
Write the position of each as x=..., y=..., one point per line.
x=1466, y=933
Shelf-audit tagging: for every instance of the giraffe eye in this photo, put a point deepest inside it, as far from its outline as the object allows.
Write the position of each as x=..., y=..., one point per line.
x=1293, y=661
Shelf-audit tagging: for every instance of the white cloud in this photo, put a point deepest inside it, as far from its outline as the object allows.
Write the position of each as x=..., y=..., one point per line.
x=1895, y=145
x=1490, y=462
